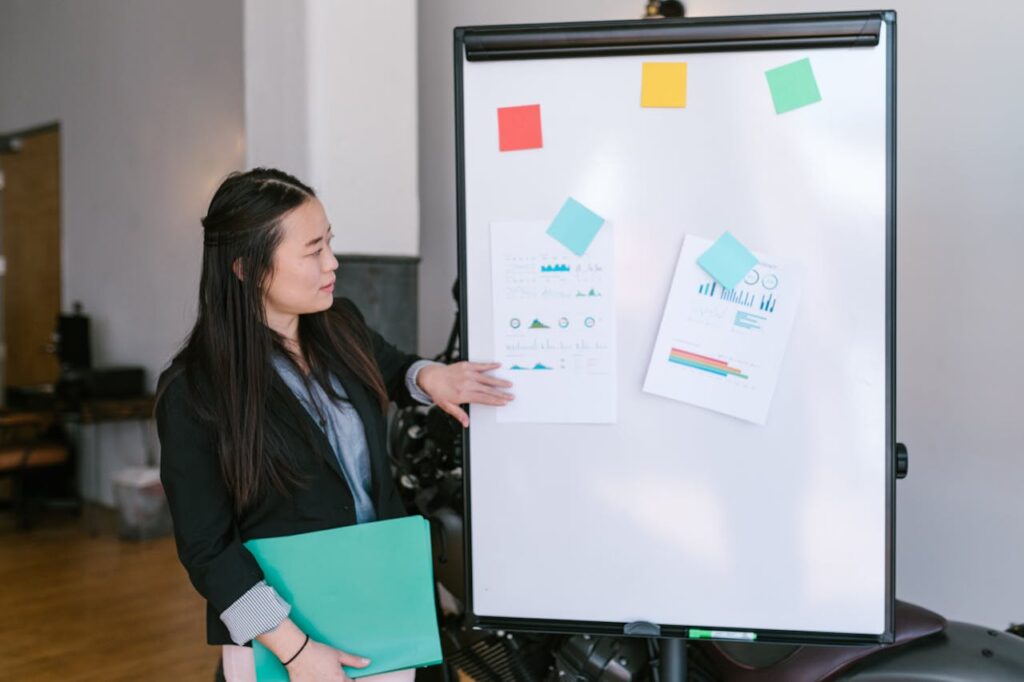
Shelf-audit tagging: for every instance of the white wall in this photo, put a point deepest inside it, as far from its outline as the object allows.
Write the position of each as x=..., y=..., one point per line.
x=277, y=86
x=157, y=102
x=960, y=163
x=150, y=106
x=437, y=18
x=328, y=100
x=149, y=97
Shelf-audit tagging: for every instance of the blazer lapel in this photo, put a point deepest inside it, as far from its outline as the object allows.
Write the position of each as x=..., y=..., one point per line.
x=287, y=408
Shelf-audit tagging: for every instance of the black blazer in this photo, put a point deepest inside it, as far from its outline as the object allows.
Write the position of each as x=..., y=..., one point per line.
x=208, y=533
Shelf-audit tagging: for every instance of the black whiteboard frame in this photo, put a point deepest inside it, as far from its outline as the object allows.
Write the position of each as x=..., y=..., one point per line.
x=664, y=36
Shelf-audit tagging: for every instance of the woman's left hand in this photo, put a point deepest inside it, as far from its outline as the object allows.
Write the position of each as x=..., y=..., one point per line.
x=463, y=382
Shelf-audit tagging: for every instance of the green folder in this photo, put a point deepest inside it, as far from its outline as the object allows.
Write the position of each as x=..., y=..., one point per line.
x=366, y=589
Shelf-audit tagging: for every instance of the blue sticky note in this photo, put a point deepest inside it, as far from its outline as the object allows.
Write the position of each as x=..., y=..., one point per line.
x=728, y=261
x=575, y=226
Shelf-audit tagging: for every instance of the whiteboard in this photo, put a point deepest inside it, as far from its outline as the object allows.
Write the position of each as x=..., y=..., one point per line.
x=677, y=515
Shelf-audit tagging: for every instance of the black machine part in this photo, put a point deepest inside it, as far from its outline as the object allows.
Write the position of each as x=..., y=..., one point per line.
x=927, y=649
x=602, y=659
x=959, y=653
x=500, y=657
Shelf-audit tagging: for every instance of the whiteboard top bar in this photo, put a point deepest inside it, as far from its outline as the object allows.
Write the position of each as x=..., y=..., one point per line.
x=704, y=34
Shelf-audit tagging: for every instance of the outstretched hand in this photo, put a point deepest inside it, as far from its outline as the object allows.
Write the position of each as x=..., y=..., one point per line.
x=450, y=386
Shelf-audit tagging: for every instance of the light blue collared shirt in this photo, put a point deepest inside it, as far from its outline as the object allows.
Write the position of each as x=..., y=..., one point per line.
x=340, y=422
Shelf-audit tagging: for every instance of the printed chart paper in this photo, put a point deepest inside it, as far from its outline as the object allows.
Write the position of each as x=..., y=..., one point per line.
x=720, y=348
x=554, y=325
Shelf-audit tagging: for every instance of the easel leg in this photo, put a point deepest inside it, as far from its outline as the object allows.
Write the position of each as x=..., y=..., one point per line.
x=672, y=660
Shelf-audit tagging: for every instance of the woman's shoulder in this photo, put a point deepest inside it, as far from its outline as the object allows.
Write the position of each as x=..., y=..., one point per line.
x=175, y=396
x=173, y=383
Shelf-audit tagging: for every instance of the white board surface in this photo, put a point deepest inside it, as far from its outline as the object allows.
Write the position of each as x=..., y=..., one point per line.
x=676, y=514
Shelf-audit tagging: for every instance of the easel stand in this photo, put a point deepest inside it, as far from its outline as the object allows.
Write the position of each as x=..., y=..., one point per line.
x=672, y=660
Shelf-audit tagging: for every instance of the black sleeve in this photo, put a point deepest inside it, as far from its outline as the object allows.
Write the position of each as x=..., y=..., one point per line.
x=205, y=532
x=394, y=364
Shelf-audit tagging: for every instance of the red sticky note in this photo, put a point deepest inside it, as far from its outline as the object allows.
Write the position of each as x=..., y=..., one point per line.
x=519, y=128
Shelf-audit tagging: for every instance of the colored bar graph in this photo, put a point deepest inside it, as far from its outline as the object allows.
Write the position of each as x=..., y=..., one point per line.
x=744, y=298
x=704, y=363
x=768, y=303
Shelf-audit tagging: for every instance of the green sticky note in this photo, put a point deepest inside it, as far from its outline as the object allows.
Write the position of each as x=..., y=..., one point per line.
x=793, y=86
x=575, y=226
x=366, y=589
x=728, y=261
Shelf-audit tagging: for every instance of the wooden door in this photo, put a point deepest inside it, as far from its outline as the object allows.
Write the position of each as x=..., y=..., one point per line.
x=30, y=220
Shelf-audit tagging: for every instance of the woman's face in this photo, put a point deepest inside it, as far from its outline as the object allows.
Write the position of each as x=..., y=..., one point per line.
x=303, y=276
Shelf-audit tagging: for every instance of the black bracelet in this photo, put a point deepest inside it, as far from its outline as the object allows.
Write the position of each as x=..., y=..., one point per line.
x=297, y=652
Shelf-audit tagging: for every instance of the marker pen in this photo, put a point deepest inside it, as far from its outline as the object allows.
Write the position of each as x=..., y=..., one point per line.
x=722, y=634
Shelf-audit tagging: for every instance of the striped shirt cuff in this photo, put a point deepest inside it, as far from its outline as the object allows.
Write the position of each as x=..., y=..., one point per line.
x=257, y=611
x=415, y=391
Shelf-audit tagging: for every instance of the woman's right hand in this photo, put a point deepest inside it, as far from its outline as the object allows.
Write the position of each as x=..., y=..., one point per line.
x=321, y=663
x=314, y=662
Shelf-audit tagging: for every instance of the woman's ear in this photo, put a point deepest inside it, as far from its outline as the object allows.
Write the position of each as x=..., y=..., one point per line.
x=236, y=267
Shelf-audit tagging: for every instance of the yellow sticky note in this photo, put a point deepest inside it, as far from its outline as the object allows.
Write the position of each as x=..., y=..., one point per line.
x=664, y=84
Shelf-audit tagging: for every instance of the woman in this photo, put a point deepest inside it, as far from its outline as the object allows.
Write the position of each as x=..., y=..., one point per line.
x=272, y=416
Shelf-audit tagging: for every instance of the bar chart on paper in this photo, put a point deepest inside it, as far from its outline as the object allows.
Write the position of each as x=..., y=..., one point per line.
x=704, y=363
x=721, y=349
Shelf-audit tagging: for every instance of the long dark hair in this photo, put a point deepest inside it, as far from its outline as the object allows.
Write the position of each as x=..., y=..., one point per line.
x=227, y=358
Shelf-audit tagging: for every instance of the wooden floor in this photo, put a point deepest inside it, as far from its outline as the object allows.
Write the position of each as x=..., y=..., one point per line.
x=77, y=607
